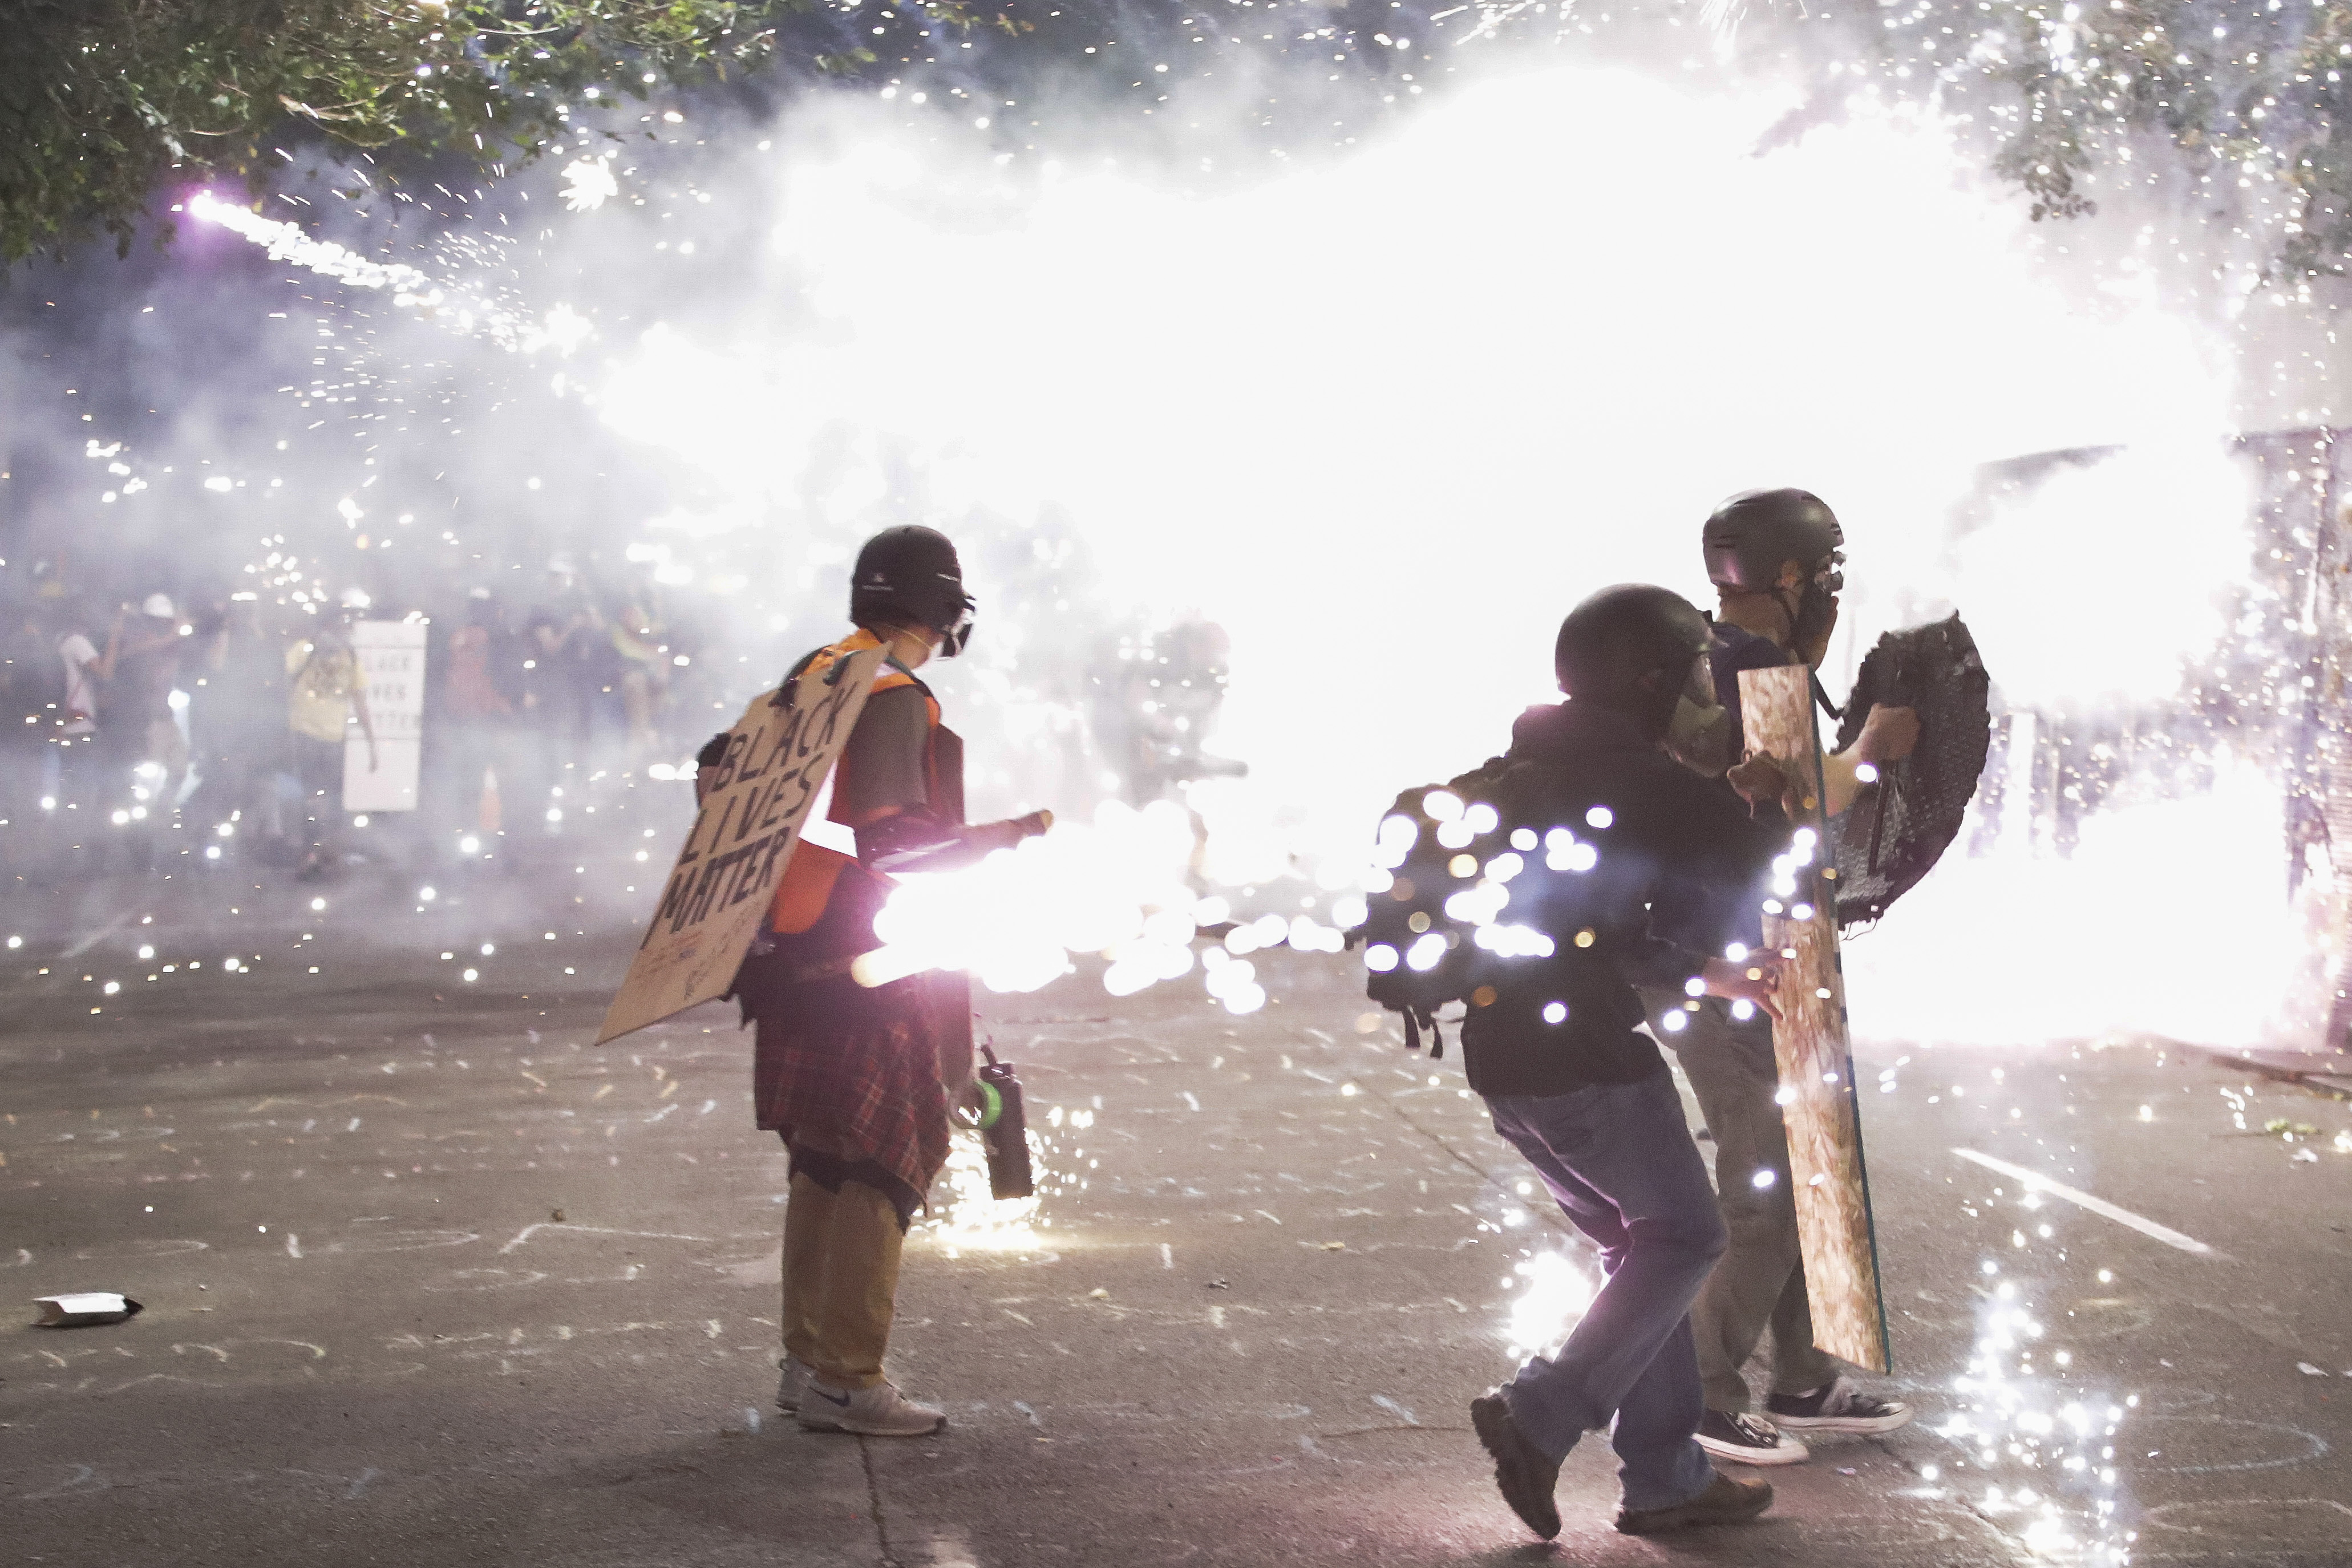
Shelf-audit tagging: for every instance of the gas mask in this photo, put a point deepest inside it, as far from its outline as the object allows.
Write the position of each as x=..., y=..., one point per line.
x=1699, y=735
x=1815, y=615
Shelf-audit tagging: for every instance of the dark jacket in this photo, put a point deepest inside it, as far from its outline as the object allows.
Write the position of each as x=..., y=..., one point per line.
x=1667, y=844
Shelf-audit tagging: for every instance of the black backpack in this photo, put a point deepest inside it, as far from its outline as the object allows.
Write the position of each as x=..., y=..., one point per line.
x=1434, y=842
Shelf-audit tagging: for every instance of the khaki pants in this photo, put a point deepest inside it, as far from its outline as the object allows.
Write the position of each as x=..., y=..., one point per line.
x=1761, y=1280
x=841, y=1280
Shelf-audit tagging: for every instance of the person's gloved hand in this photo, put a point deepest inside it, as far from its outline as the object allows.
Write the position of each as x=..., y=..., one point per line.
x=1755, y=978
x=1761, y=780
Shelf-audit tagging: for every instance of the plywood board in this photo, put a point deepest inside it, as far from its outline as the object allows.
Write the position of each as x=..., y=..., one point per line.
x=1819, y=1105
x=779, y=756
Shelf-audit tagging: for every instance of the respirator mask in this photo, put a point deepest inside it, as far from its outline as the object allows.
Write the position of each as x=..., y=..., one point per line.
x=1699, y=735
x=1815, y=615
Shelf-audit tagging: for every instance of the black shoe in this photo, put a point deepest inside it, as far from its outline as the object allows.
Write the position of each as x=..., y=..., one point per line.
x=1838, y=1408
x=1524, y=1477
x=1747, y=1440
x=1725, y=1501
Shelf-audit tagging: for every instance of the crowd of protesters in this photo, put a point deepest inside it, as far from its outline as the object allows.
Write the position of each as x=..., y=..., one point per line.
x=142, y=729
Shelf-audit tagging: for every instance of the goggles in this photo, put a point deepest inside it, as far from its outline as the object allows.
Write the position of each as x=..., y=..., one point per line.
x=958, y=631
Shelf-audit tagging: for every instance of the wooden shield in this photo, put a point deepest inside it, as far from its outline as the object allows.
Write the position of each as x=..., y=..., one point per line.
x=779, y=756
x=1818, y=1100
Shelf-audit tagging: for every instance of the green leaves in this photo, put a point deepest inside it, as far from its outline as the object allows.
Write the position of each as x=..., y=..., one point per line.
x=103, y=101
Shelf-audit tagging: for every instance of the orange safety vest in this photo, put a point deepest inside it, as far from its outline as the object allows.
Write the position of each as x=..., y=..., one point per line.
x=814, y=872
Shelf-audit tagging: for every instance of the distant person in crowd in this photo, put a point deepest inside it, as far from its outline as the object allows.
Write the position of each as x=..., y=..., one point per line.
x=858, y=1080
x=643, y=656
x=324, y=690
x=236, y=724
x=80, y=769
x=1155, y=697
x=32, y=710
x=483, y=697
x=571, y=650
x=140, y=668
x=1776, y=558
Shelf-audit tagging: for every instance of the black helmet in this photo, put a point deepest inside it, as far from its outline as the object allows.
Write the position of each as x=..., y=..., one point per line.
x=1750, y=536
x=911, y=572
x=1621, y=634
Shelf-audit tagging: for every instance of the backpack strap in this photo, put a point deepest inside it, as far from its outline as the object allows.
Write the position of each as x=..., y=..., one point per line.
x=1415, y=1020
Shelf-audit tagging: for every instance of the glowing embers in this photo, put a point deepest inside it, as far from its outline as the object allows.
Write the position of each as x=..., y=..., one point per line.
x=450, y=305
x=2046, y=1459
x=1427, y=950
x=1553, y=1293
x=971, y=1219
x=1564, y=852
x=1232, y=981
x=1513, y=941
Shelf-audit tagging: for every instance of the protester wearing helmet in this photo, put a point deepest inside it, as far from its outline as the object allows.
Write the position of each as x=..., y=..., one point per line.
x=858, y=1080
x=1776, y=560
x=1553, y=1046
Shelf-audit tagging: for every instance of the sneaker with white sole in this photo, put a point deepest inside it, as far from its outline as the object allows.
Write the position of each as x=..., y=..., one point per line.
x=1839, y=1406
x=880, y=1411
x=1747, y=1440
x=793, y=1384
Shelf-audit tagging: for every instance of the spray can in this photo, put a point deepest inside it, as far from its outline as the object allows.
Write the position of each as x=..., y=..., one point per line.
x=1004, y=1129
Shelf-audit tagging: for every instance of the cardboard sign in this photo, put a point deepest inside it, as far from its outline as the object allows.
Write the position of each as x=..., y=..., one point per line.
x=778, y=757
x=391, y=668
x=1819, y=1105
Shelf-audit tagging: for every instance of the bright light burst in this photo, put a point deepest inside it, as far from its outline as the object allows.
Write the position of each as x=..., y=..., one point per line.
x=971, y=1218
x=1553, y=1298
x=588, y=184
x=1115, y=887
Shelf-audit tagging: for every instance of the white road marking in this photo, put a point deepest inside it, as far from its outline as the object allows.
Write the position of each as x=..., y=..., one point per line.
x=84, y=943
x=2099, y=1205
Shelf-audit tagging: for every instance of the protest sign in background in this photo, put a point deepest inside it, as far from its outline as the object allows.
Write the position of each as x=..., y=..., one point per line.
x=391, y=668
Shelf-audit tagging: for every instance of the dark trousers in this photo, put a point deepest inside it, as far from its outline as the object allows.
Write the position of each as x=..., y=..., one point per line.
x=1760, y=1282
x=1619, y=1159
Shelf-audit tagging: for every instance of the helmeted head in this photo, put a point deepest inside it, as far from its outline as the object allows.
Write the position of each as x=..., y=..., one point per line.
x=1752, y=540
x=909, y=576
x=1635, y=649
x=158, y=607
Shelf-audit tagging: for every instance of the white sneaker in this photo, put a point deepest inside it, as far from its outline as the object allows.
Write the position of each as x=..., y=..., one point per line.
x=793, y=1384
x=880, y=1411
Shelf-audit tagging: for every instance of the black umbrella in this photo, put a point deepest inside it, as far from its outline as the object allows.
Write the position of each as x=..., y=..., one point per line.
x=1897, y=828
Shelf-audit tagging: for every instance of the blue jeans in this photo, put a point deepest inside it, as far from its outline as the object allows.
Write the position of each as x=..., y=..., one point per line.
x=1619, y=1160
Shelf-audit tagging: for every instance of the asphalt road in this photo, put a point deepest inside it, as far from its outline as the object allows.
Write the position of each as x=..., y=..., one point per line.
x=430, y=1280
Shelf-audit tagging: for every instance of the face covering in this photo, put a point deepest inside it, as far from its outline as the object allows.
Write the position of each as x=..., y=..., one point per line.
x=1699, y=735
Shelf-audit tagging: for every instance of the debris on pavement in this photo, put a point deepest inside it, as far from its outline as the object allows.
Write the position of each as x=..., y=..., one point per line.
x=84, y=1309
